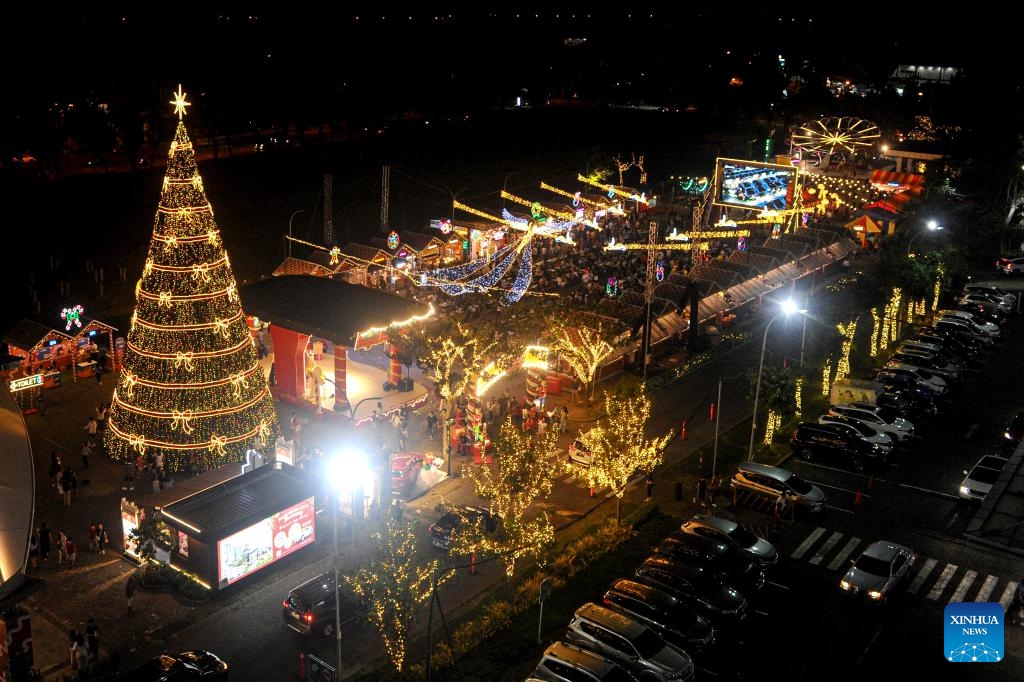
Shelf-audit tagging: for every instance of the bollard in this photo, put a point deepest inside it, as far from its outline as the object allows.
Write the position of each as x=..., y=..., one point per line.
x=712, y=415
x=472, y=563
x=856, y=498
x=302, y=665
x=682, y=432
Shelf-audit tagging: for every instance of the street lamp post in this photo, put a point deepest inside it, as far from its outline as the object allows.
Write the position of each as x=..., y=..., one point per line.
x=932, y=227
x=301, y=210
x=344, y=476
x=788, y=307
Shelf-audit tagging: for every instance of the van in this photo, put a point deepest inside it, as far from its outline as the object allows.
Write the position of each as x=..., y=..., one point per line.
x=769, y=482
x=564, y=662
x=628, y=642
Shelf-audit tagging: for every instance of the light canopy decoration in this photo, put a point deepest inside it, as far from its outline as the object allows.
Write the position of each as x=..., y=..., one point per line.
x=190, y=384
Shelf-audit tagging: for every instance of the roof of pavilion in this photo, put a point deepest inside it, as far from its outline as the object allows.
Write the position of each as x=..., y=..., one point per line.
x=328, y=308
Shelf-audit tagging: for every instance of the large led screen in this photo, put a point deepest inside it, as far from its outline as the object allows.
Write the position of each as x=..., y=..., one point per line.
x=265, y=542
x=754, y=185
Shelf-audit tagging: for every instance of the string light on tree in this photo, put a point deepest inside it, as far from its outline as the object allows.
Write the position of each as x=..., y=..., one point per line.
x=876, y=331
x=826, y=377
x=848, y=331
x=190, y=384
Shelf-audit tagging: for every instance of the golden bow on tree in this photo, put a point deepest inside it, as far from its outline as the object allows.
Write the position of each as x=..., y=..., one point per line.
x=165, y=299
x=182, y=419
x=217, y=445
x=128, y=380
x=239, y=382
x=221, y=327
x=137, y=442
x=201, y=271
x=183, y=359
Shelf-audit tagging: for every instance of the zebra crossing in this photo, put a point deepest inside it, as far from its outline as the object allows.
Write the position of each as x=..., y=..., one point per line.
x=945, y=582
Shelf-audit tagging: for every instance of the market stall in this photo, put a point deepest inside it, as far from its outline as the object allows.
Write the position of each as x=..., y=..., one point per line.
x=44, y=350
x=95, y=342
x=225, y=533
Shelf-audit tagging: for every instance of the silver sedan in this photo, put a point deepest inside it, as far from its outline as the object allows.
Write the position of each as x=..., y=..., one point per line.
x=878, y=571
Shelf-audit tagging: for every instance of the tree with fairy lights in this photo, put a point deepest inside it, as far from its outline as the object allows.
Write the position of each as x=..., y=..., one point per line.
x=394, y=583
x=619, y=447
x=190, y=388
x=452, y=361
x=522, y=474
x=584, y=348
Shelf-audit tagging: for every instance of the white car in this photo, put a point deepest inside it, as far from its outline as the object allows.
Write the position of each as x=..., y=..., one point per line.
x=987, y=301
x=936, y=383
x=899, y=428
x=927, y=361
x=860, y=430
x=979, y=481
x=990, y=328
x=1003, y=295
x=579, y=453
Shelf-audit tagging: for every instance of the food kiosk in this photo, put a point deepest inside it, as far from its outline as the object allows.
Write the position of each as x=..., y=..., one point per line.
x=227, y=532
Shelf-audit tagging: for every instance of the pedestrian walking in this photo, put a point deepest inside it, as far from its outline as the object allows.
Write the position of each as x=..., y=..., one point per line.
x=780, y=507
x=46, y=541
x=86, y=452
x=702, y=491
x=72, y=551
x=296, y=427
x=714, y=488
x=102, y=539
x=101, y=416
x=62, y=547
x=72, y=644
x=650, y=484
x=432, y=425
x=129, y=592
x=68, y=484
x=81, y=652
x=90, y=428
x=92, y=639
x=93, y=544
x=33, y=549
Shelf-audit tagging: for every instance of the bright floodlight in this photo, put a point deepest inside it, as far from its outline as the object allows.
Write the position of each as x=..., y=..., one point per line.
x=932, y=225
x=346, y=470
x=788, y=306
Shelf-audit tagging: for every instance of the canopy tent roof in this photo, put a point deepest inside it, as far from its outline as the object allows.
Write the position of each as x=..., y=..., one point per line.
x=894, y=180
x=328, y=308
x=864, y=223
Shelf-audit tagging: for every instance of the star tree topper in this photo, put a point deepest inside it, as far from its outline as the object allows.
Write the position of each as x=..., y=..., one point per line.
x=180, y=103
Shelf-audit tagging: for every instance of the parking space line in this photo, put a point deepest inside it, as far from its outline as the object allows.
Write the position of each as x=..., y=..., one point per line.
x=965, y=584
x=922, y=575
x=848, y=511
x=1007, y=597
x=986, y=588
x=843, y=553
x=940, y=493
x=940, y=584
x=827, y=547
x=799, y=552
x=841, y=489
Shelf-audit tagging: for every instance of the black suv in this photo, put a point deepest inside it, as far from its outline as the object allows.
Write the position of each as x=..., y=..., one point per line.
x=698, y=587
x=309, y=608
x=811, y=441
x=662, y=612
x=729, y=562
x=472, y=519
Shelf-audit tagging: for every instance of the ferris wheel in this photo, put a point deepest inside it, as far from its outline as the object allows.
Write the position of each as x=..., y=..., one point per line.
x=836, y=134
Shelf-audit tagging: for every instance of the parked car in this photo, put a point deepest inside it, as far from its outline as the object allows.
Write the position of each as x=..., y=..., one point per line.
x=936, y=349
x=878, y=571
x=726, y=530
x=962, y=331
x=309, y=609
x=1003, y=295
x=986, y=333
x=405, y=467
x=580, y=453
x=770, y=482
x=898, y=428
x=979, y=480
x=927, y=361
x=830, y=441
x=984, y=311
x=967, y=348
x=859, y=429
x=910, y=389
x=628, y=642
x=662, y=612
x=990, y=328
x=188, y=666
x=565, y=662
x=1014, y=430
x=922, y=377
x=699, y=587
x=986, y=301
x=732, y=566
x=444, y=531
x=1010, y=266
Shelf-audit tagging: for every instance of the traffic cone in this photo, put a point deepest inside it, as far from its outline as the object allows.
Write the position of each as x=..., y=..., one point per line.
x=472, y=563
x=712, y=415
x=682, y=431
x=856, y=498
x=591, y=492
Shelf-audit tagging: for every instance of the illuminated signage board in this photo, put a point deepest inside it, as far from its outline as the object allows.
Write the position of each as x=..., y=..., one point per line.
x=26, y=382
x=754, y=185
x=263, y=543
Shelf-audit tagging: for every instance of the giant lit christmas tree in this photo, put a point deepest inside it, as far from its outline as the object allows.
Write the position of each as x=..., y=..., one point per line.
x=190, y=382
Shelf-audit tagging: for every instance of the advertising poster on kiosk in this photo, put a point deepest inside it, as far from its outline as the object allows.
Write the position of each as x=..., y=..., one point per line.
x=265, y=542
x=753, y=185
